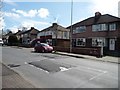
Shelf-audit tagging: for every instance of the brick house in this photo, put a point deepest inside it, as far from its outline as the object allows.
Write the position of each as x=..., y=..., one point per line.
x=18, y=35
x=97, y=32
x=29, y=35
x=55, y=35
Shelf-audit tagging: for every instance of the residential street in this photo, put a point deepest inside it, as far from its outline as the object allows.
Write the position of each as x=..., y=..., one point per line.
x=11, y=79
x=47, y=70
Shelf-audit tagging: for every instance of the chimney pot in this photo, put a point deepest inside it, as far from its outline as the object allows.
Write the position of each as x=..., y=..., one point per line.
x=97, y=14
x=32, y=28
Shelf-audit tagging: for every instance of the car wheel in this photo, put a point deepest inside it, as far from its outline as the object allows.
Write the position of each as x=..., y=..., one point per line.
x=36, y=50
x=43, y=50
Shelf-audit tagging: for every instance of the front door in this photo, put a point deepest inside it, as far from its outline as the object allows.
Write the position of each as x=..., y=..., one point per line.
x=112, y=44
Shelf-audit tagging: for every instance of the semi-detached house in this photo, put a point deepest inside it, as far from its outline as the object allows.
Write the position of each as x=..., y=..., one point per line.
x=98, y=31
x=55, y=35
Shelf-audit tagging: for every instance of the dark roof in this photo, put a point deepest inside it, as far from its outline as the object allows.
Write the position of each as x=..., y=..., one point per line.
x=18, y=33
x=46, y=29
x=106, y=18
x=51, y=27
x=26, y=31
x=29, y=31
x=9, y=33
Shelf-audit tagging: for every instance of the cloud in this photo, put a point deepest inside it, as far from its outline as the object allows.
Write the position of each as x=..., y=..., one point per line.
x=27, y=24
x=13, y=15
x=50, y=0
x=33, y=23
x=30, y=13
x=104, y=6
x=14, y=29
x=43, y=12
x=10, y=2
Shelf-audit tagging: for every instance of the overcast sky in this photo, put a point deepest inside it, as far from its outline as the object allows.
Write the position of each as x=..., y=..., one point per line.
x=41, y=14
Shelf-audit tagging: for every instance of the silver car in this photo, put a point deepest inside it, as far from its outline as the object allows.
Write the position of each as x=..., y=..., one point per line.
x=1, y=42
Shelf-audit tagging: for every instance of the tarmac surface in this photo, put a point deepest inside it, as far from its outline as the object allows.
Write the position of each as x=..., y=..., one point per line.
x=33, y=66
x=11, y=79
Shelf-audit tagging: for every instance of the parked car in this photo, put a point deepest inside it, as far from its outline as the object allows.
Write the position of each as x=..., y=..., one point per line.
x=34, y=41
x=1, y=42
x=43, y=47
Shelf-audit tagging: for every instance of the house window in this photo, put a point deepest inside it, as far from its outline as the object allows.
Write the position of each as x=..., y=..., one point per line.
x=65, y=34
x=112, y=27
x=96, y=27
x=98, y=42
x=80, y=42
x=49, y=41
x=80, y=29
x=100, y=27
x=41, y=34
x=48, y=33
x=104, y=27
x=74, y=31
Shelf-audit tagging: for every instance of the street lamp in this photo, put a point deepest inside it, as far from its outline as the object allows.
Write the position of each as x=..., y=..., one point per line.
x=1, y=18
x=71, y=31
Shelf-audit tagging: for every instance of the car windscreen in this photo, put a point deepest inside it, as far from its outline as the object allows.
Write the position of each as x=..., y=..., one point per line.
x=43, y=44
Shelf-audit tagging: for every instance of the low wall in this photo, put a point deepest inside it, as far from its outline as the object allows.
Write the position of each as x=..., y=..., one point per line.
x=96, y=51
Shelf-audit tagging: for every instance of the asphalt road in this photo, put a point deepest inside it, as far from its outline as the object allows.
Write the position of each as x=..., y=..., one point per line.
x=47, y=70
x=11, y=79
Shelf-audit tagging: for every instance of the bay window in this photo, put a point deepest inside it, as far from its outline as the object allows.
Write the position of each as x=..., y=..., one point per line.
x=112, y=27
x=100, y=27
x=80, y=42
x=99, y=42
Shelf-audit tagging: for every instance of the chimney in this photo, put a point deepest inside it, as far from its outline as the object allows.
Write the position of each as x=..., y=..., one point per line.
x=32, y=28
x=97, y=16
x=54, y=25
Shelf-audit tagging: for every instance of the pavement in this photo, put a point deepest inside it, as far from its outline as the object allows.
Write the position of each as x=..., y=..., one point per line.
x=104, y=58
x=11, y=79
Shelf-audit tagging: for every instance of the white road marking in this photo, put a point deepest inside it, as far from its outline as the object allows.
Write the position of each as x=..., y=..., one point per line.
x=38, y=68
x=98, y=75
x=101, y=72
x=25, y=62
x=63, y=69
x=96, y=69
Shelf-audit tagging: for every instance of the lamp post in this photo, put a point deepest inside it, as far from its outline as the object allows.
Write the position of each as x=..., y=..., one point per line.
x=71, y=31
x=1, y=18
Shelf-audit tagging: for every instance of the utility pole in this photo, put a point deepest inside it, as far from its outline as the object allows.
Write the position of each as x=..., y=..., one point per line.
x=1, y=18
x=71, y=31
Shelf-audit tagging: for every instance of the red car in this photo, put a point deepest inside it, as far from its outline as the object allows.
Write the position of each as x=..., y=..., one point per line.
x=43, y=47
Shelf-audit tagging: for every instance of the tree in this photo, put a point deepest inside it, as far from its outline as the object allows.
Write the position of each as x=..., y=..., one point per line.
x=12, y=40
